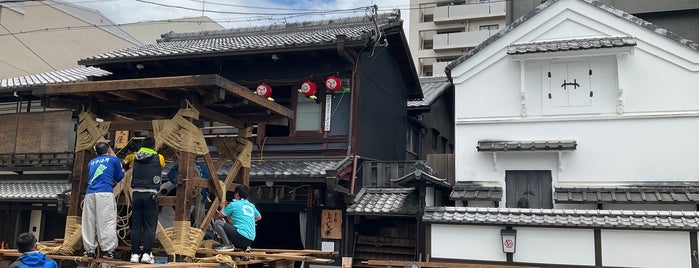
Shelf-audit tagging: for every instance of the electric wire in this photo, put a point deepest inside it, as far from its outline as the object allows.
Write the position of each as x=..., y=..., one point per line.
x=29, y=48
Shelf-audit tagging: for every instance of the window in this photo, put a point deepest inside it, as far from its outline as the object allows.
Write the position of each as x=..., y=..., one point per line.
x=308, y=113
x=452, y=30
x=569, y=84
x=451, y=3
x=528, y=189
x=489, y=27
x=427, y=17
x=427, y=70
x=412, y=140
x=427, y=44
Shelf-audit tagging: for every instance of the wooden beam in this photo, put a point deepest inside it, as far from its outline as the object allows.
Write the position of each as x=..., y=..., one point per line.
x=254, y=98
x=184, y=184
x=216, y=116
x=78, y=182
x=125, y=95
x=214, y=180
x=210, y=213
x=156, y=94
x=131, y=125
x=213, y=96
x=126, y=84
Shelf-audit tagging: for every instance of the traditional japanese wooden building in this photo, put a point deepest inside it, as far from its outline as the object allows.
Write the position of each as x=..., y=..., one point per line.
x=337, y=93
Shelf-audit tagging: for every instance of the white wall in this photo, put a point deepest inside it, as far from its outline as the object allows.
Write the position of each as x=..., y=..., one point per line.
x=608, y=150
x=621, y=248
x=466, y=242
x=35, y=223
x=555, y=245
x=563, y=246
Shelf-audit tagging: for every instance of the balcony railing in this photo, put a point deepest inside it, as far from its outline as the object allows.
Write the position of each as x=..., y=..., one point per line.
x=460, y=40
x=453, y=13
x=36, y=161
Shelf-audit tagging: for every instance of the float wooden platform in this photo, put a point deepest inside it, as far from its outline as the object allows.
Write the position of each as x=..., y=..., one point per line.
x=277, y=257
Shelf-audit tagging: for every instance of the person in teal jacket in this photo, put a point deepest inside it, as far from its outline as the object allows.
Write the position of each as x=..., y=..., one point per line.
x=243, y=217
x=26, y=244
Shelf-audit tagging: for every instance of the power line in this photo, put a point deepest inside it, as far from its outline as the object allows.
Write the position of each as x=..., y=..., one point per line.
x=14, y=66
x=30, y=49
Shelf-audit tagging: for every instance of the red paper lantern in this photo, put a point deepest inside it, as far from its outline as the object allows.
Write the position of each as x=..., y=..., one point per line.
x=333, y=83
x=308, y=89
x=264, y=90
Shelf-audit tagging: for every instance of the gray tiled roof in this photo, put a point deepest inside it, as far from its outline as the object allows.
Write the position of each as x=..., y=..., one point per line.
x=32, y=189
x=280, y=169
x=291, y=35
x=616, y=12
x=570, y=44
x=616, y=219
x=420, y=175
x=432, y=88
x=385, y=202
x=641, y=194
x=499, y=146
x=78, y=74
x=475, y=192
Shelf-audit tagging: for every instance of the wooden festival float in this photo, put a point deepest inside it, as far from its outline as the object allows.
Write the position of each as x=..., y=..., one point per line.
x=172, y=109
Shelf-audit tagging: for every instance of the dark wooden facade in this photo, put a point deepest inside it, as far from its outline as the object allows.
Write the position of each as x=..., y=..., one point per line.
x=367, y=118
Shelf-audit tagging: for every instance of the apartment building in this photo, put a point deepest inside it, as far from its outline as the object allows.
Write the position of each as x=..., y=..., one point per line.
x=443, y=30
x=678, y=16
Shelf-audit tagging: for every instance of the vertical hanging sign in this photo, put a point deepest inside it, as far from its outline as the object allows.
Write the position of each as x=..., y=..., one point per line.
x=328, y=111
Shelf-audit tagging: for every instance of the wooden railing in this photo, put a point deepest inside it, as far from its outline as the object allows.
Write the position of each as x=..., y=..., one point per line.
x=37, y=161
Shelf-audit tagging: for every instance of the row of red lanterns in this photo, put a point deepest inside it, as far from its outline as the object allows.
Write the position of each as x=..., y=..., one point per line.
x=308, y=88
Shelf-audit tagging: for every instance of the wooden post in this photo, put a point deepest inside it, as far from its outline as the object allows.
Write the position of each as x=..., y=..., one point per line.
x=78, y=182
x=245, y=176
x=186, y=171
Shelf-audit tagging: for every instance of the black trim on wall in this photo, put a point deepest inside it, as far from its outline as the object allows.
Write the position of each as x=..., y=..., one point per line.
x=693, y=248
x=598, y=247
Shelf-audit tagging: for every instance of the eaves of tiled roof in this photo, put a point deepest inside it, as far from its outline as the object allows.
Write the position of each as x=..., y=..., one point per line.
x=570, y=45
x=504, y=146
x=608, y=219
x=420, y=175
x=297, y=169
x=385, y=202
x=432, y=88
x=475, y=192
x=78, y=74
x=32, y=190
x=627, y=195
x=300, y=35
x=616, y=12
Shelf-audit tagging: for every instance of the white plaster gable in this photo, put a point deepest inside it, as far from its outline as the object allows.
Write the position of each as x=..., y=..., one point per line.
x=569, y=19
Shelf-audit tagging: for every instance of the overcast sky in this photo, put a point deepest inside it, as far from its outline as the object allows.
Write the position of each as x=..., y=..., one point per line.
x=239, y=13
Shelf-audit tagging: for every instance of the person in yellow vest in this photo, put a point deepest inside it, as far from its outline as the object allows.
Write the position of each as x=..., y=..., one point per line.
x=131, y=150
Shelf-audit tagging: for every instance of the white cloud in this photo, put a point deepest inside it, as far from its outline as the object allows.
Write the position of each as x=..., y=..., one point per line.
x=239, y=13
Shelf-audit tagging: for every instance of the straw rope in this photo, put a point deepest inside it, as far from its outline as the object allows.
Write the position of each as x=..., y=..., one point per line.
x=71, y=242
x=219, y=258
x=230, y=148
x=179, y=133
x=180, y=239
x=89, y=131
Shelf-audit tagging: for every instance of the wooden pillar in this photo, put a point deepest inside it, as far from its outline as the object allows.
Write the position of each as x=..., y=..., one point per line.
x=78, y=182
x=245, y=176
x=186, y=171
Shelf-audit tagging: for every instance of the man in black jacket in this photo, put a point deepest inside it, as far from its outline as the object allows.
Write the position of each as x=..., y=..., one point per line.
x=147, y=166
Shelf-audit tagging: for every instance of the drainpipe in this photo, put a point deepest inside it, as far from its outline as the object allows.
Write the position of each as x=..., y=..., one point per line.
x=342, y=51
